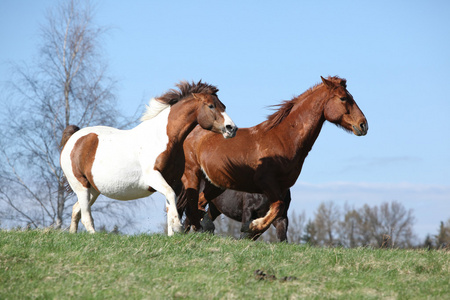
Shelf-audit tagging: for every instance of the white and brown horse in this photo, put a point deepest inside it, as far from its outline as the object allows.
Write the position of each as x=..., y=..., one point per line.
x=131, y=164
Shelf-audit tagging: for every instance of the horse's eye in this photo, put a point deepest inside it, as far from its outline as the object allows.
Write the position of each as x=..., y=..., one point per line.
x=211, y=106
x=343, y=98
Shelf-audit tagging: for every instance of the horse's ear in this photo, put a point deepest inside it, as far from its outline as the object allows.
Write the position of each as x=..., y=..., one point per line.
x=327, y=83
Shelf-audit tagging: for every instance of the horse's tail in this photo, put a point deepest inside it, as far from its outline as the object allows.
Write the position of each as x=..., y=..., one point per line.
x=67, y=133
x=181, y=201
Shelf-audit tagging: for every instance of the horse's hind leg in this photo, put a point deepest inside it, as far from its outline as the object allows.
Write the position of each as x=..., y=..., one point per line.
x=281, y=226
x=76, y=216
x=82, y=210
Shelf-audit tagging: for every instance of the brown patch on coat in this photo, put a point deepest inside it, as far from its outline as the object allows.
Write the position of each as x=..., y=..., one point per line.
x=82, y=157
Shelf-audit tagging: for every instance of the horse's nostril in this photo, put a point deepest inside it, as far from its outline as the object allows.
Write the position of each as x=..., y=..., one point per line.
x=229, y=127
x=362, y=126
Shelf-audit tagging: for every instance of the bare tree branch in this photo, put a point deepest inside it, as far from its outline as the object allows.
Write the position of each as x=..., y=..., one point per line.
x=68, y=84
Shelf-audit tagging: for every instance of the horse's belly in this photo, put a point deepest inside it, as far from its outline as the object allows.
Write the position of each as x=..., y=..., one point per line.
x=127, y=193
x=119, y=180
x=121, y=186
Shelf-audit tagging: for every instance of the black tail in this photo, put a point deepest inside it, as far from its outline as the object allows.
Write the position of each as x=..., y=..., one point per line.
x=182, y=201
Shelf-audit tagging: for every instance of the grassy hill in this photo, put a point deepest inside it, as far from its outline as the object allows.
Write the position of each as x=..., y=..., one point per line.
x=59, y=265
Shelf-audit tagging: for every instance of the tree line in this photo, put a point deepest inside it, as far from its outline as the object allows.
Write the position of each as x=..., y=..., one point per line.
x=388, y=225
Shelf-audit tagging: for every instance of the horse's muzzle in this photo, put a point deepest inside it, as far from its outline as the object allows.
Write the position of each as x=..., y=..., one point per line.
x=229, y=131
x=361, y=130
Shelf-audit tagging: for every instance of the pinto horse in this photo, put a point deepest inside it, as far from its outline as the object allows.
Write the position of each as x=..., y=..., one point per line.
x=131, y=164
x=268, y=157
x=244, y=207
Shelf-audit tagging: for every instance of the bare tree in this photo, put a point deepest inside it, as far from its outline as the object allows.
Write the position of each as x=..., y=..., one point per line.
x=310, y=236
x=296, y=227
x=68, y=84
x=326, y=223
x=443, y=236
x=387, y=225
x=396, y=222
x=349, y=228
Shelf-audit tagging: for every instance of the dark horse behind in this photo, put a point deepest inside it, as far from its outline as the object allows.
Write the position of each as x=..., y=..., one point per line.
x=244, y=207
x=267, y=158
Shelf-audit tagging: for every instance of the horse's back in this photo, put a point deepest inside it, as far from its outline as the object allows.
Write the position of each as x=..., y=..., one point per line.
x=228, y=163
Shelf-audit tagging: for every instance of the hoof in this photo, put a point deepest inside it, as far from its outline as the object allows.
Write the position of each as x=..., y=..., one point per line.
x=178, y=228
x=245, y=236
x=246, y=227
x=207, y=225
x=198, y=228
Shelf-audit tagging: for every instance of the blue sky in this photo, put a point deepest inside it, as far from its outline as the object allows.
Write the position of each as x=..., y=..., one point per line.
x=395, y=56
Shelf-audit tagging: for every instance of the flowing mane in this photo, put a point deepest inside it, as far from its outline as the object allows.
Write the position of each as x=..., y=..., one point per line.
x=285, y=107
x=173, y=96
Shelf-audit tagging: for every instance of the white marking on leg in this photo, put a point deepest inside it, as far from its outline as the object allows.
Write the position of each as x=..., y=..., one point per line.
x=157, y=181
x=76, y=216
x=86, y=217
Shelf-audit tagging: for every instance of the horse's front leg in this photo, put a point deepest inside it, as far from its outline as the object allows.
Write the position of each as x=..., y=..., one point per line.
x=271, y=189
x=248, y=213
x=260, y=225
x=210, y=192
x=209, y=217
x=157, y=182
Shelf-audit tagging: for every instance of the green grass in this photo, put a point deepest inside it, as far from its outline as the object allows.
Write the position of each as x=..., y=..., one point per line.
x=59, y=265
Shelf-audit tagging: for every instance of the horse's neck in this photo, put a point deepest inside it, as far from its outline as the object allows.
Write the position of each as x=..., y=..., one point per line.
x=174, y=122
x=182, y=120
x=300, y=129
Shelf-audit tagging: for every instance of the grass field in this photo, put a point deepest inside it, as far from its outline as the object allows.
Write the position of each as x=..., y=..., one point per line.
x=59, y=265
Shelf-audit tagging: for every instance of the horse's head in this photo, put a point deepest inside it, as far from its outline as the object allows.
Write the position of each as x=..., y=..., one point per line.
x=341, y=109
x=212, y=115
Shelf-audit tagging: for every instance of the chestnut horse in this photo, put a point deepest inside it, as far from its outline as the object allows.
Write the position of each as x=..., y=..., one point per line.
x=131, y=164
x=268, y=157
x=244, y=207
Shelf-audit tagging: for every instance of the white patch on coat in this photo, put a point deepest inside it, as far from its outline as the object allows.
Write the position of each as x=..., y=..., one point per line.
x=153, y=109
x=123, y=159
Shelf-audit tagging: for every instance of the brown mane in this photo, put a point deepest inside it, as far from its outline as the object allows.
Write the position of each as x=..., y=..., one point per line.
x=277, y=117
x=285, y=107
x=186, y=89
